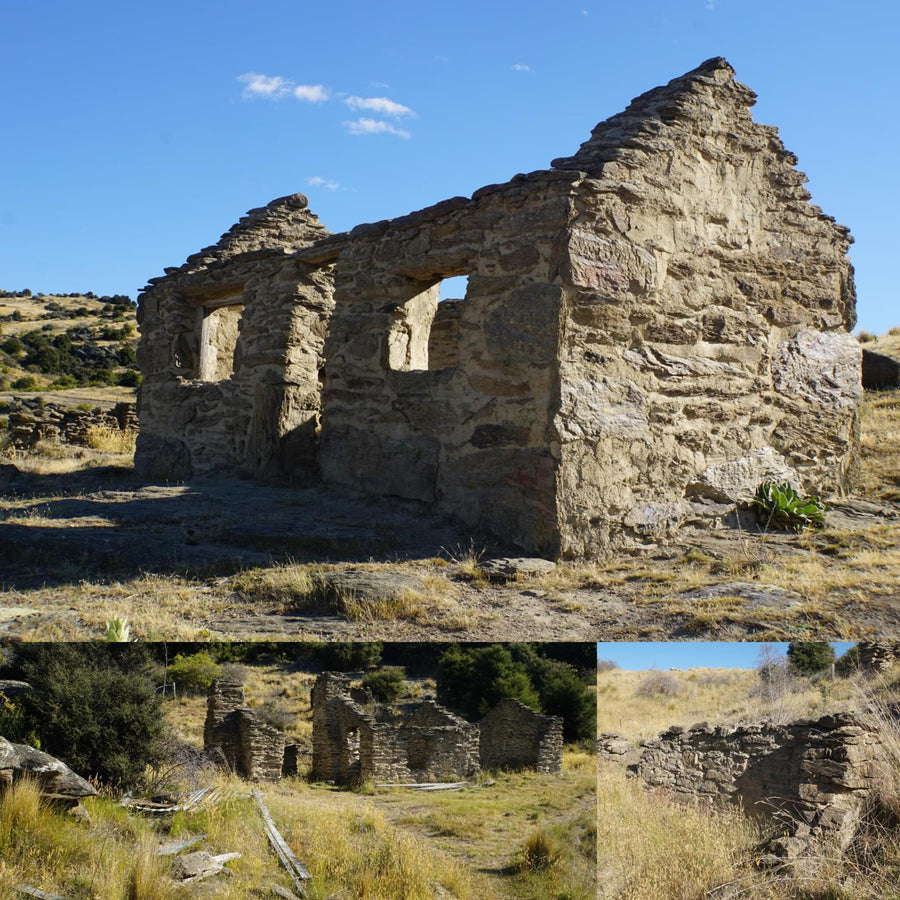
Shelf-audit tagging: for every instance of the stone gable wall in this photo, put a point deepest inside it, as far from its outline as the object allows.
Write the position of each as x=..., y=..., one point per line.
x=515, y=737
x=814, y=775
x=707, y=306
x=248, y=301
x=234, y=735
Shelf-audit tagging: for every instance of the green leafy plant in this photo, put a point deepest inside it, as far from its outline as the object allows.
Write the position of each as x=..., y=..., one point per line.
x=780, y=505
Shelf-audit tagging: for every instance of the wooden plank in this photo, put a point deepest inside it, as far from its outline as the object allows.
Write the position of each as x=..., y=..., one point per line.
x=429, y=786
x=289, y=861
x=35, y=892
x=172, y=849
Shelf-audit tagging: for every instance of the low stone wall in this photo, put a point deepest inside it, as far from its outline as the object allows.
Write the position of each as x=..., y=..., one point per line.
x=814, y=776
x=36, y=420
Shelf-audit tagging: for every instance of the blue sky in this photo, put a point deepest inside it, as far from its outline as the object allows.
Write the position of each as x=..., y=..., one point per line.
x=135, y=134
x=641, y=656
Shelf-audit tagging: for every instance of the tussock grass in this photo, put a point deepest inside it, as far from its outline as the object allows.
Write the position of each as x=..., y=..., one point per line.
x=651, y=849
x=111, y=440
x=41, y=846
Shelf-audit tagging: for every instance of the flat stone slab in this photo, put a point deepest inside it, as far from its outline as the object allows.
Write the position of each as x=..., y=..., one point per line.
x=754, y=595
x=508, y=568
x=10, y=613
x=369, y=585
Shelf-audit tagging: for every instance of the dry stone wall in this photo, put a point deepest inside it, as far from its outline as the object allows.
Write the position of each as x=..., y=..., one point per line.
x=814, y=776
x=515, y=737
x=231, y=347
x=36, y=420
x=355, y=742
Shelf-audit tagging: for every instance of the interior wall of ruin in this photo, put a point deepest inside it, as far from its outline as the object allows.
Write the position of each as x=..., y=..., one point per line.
x=473, y=436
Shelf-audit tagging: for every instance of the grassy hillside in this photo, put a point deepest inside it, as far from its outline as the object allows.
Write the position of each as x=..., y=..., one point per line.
x=651, y=848
x=56, y=342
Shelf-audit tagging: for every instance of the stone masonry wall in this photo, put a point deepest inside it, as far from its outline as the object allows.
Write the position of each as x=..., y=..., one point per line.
x=231, y=348
x=355, y=743
x=515, y=737
x=707, y=305
x=474, y=437
x=234, y=735
x=814, y=776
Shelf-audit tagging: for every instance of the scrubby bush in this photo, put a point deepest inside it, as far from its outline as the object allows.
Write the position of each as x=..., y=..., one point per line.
x=607, y=665
x=194, y=673
x=25, y=383
x=658, y=684
x=93, y=706
x=386, y=684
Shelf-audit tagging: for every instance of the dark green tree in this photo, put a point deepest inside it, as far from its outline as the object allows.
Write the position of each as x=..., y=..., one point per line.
x=93, y=706
x=810, y=657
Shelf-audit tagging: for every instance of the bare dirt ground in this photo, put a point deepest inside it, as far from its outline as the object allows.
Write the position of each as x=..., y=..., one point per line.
x=229, y=559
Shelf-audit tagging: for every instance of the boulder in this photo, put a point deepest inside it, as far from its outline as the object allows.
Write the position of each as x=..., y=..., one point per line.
x=55, y=778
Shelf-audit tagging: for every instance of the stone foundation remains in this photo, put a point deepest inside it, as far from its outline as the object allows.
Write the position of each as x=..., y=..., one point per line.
x=814, y=777
x=650, y=328
x=34, y=420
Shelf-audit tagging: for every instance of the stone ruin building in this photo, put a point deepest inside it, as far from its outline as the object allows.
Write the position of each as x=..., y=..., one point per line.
x=651, y=326
x=235, y=736
x=356, y=739
x=814, y=777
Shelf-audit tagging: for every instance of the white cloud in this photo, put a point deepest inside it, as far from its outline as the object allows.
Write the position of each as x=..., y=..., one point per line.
x=373, y=126
x=311, y=93
x=710, y=5
x=521, y=67
x=379, y=105
x=319, y=181
x=268, y=87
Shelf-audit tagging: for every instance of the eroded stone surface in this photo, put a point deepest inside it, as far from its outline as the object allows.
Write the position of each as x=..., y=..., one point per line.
x=54, y=777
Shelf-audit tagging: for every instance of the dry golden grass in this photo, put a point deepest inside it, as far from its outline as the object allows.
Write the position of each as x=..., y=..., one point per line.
x=651, y=849
x=111, y=440
x=719, y=696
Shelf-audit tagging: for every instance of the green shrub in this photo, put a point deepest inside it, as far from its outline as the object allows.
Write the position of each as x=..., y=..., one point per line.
x=810, y=657
x=780, y=505
x=93, y=706
x=386, y=684
x=194, y=673
x=25, y=383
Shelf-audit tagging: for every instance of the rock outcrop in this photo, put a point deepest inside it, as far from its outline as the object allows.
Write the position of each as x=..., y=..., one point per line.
x=55, y=779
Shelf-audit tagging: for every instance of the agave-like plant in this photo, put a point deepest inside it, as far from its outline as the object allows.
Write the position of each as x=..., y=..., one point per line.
x=780, y=505
x=118, y=630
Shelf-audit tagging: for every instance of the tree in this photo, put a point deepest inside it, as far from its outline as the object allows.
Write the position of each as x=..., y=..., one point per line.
x=810, y=657
x=93, y=706
x=473, y=679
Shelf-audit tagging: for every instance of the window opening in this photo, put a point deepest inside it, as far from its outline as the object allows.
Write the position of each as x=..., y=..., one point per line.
x=220, y=329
